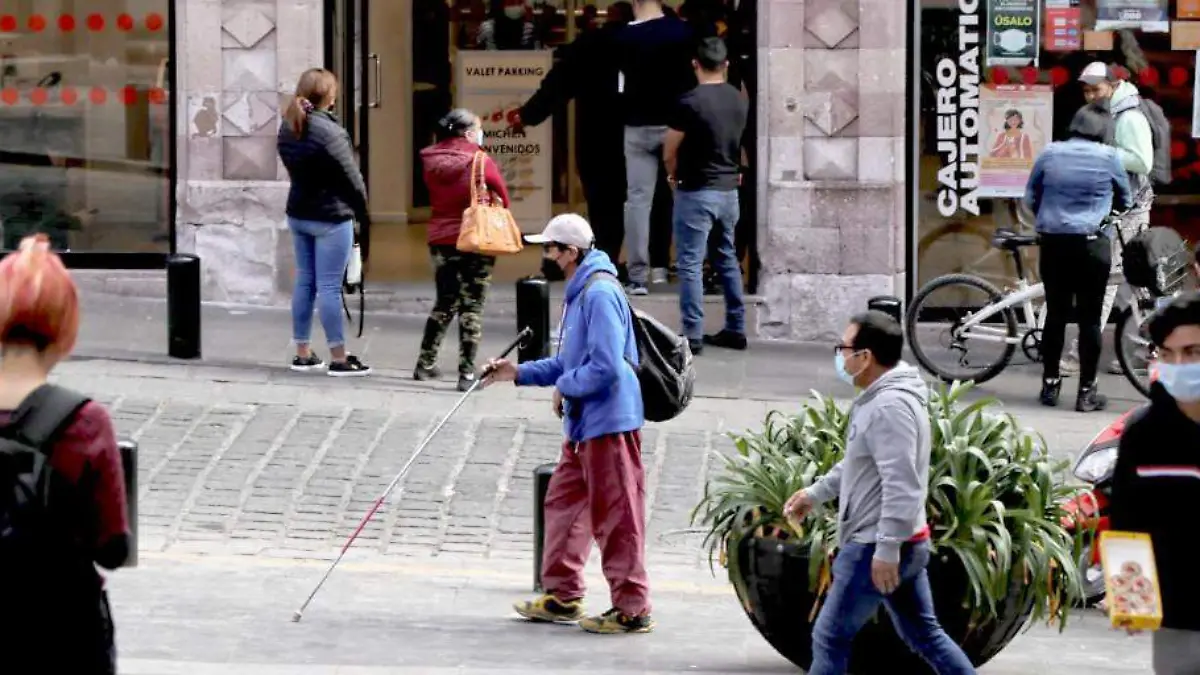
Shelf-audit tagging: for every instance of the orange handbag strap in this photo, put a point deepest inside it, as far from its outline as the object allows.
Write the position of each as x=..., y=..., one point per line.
x=478, y=178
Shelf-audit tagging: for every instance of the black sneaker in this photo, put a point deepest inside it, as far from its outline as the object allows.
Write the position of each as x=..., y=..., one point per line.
x=1050, y=391
x=1090, y=399
x=310, y=362
x=466, y=381
x=696, y=346
x=423, y=374
x=727, y=339
x=351, y=367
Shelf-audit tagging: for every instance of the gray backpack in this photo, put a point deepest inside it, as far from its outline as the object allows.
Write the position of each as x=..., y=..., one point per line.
x=1160, y=134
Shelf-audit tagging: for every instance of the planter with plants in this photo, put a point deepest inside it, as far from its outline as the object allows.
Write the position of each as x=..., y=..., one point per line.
x=1001, y=555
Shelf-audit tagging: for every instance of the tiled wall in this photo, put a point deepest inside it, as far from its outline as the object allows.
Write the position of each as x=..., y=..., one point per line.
x=831, y=109
x=239, y=61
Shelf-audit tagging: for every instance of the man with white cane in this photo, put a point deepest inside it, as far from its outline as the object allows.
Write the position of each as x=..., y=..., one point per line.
x=598, y=488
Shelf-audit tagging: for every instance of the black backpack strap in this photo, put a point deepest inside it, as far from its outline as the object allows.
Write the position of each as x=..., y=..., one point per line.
x=43, y=415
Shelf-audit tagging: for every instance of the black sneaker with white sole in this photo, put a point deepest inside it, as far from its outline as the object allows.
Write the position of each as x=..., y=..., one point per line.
x=307, y=363
x=351, y=367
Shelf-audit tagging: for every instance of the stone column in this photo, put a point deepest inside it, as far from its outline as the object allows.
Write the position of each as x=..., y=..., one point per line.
x=831, y=136
x=239, y=60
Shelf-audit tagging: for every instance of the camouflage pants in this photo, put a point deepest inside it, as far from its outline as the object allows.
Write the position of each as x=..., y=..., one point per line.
x=462, y=281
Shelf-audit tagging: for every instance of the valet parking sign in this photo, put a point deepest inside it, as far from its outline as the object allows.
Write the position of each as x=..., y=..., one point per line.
x=1013, y=32
x=494, y=85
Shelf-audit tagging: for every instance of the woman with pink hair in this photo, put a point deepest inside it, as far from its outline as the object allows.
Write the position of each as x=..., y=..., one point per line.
x=62, y=488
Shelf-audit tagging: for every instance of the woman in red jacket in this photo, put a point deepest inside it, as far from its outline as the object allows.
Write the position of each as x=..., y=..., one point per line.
x=462, y=279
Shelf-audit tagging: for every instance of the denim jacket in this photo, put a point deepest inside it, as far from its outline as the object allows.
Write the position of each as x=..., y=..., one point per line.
x=1074, y=185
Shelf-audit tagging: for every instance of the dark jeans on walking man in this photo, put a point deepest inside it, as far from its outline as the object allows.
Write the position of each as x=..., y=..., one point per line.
x=1074, y=270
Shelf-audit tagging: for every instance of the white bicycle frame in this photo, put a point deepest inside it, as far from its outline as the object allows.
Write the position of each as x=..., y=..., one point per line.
x=1022, y=298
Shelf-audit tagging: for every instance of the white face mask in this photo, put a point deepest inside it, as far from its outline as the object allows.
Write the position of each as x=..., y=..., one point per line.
x=476, y=137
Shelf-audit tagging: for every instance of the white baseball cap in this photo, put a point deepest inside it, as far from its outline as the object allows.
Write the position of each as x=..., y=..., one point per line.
x=1096, y=72
x=570, y=229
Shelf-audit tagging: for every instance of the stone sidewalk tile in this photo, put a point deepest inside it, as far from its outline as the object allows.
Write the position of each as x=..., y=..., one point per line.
x=419, y=618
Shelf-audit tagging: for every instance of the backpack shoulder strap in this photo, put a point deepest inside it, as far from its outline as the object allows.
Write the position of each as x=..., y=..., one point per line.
x=43, y=415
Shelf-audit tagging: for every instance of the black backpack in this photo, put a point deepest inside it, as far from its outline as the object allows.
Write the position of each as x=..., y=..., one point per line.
x=1160, y=135
x=28, y=482
x=1156, y=259
x=665, y=371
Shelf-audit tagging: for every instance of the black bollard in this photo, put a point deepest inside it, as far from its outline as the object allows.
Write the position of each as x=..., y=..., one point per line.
x=533, y=310
x=541, y=485
x=183, y=306
x=888, y=304
x=129, y=465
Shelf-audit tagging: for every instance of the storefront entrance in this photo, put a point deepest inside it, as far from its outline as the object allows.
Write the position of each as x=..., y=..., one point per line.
x=403, y=64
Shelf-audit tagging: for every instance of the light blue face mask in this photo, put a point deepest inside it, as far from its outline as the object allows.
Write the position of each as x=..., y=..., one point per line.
x=839, y=367
x=1181, y=380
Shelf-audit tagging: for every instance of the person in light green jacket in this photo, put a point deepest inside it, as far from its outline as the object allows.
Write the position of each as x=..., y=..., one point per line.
x=1135, y=144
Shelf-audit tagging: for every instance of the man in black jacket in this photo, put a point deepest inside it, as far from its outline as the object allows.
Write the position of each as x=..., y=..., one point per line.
x=1156, y=482
x=586, y=71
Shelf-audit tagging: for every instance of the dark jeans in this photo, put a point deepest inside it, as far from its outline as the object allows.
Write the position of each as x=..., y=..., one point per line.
x=661, y=227
x=605, y=195
x=696, y=215
x=853, y=599
x=1075, y=270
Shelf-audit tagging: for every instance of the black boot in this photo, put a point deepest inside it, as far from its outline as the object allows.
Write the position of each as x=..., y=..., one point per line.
x=423, y=374
x=1090, y=399
x=1050, y=391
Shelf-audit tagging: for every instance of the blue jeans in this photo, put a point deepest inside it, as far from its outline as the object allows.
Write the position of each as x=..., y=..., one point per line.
x=696, y=213
x=853, y=599
x=322, y=253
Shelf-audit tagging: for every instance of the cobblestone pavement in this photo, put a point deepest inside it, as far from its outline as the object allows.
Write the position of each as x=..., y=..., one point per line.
x=235, y=460
x=251, y=478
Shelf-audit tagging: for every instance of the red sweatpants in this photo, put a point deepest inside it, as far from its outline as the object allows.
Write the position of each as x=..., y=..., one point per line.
x=598, y=490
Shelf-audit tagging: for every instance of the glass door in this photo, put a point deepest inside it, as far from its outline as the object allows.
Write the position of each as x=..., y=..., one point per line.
x=357, y=70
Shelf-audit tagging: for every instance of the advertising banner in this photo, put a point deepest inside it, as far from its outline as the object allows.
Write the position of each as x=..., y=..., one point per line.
x=1017, y=121
x=494, y=85
x=1151, y=16
x=1064, y=26
x=1012, y=35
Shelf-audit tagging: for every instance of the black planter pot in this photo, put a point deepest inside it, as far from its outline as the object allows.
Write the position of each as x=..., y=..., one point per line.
x=771, y=580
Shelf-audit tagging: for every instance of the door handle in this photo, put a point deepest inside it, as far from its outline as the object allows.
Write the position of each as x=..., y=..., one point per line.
x=378, y=100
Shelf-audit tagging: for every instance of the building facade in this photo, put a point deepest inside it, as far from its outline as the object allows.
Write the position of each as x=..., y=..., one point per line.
x=831, y=199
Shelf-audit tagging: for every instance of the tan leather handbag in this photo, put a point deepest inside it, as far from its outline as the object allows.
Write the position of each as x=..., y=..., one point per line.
x=487, y=229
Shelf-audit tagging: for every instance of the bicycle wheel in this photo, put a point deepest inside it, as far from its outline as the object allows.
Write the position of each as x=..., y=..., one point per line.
x=999, y=328
x=1134, y=352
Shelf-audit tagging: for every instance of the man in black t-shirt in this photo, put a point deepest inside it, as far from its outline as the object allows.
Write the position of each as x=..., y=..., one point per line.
x=702, y=152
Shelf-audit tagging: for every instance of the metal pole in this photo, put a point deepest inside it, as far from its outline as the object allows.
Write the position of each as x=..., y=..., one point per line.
x=129, y=464
x=183, y=306
x=541, y=485
x=533, y=311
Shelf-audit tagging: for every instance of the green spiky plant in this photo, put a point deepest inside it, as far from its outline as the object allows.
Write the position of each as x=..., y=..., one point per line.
x=995, y=499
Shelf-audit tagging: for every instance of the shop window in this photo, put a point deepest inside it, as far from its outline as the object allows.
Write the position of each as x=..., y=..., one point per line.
x=994, y=91
x=85, y=147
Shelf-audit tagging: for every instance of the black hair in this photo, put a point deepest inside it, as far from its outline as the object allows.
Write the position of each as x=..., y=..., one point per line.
x=454, y=123
x=879, y=334
x=1091, y=122
x=1184, y=310
x=711, y=54
x=1013, y=112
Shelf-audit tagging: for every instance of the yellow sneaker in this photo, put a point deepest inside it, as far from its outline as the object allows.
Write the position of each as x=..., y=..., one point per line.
x=550, y=609
x=613, y=621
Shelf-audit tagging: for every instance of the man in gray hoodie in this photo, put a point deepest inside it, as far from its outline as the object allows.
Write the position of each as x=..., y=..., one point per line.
x=881, y=485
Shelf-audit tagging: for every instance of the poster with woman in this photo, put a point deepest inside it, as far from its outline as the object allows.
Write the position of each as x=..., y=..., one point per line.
x=1018, y=123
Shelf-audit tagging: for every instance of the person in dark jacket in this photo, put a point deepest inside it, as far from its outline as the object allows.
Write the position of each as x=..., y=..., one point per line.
x=586, y=71
x=327, y=195
x=462, y=279
x=1072, y=188
x=1156, y=482
x=56, y=616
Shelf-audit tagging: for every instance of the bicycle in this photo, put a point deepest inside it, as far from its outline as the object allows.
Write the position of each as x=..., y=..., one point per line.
x=996, y=321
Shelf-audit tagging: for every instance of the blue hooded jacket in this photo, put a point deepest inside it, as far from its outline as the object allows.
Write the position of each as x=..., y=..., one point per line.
x=592, y=368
